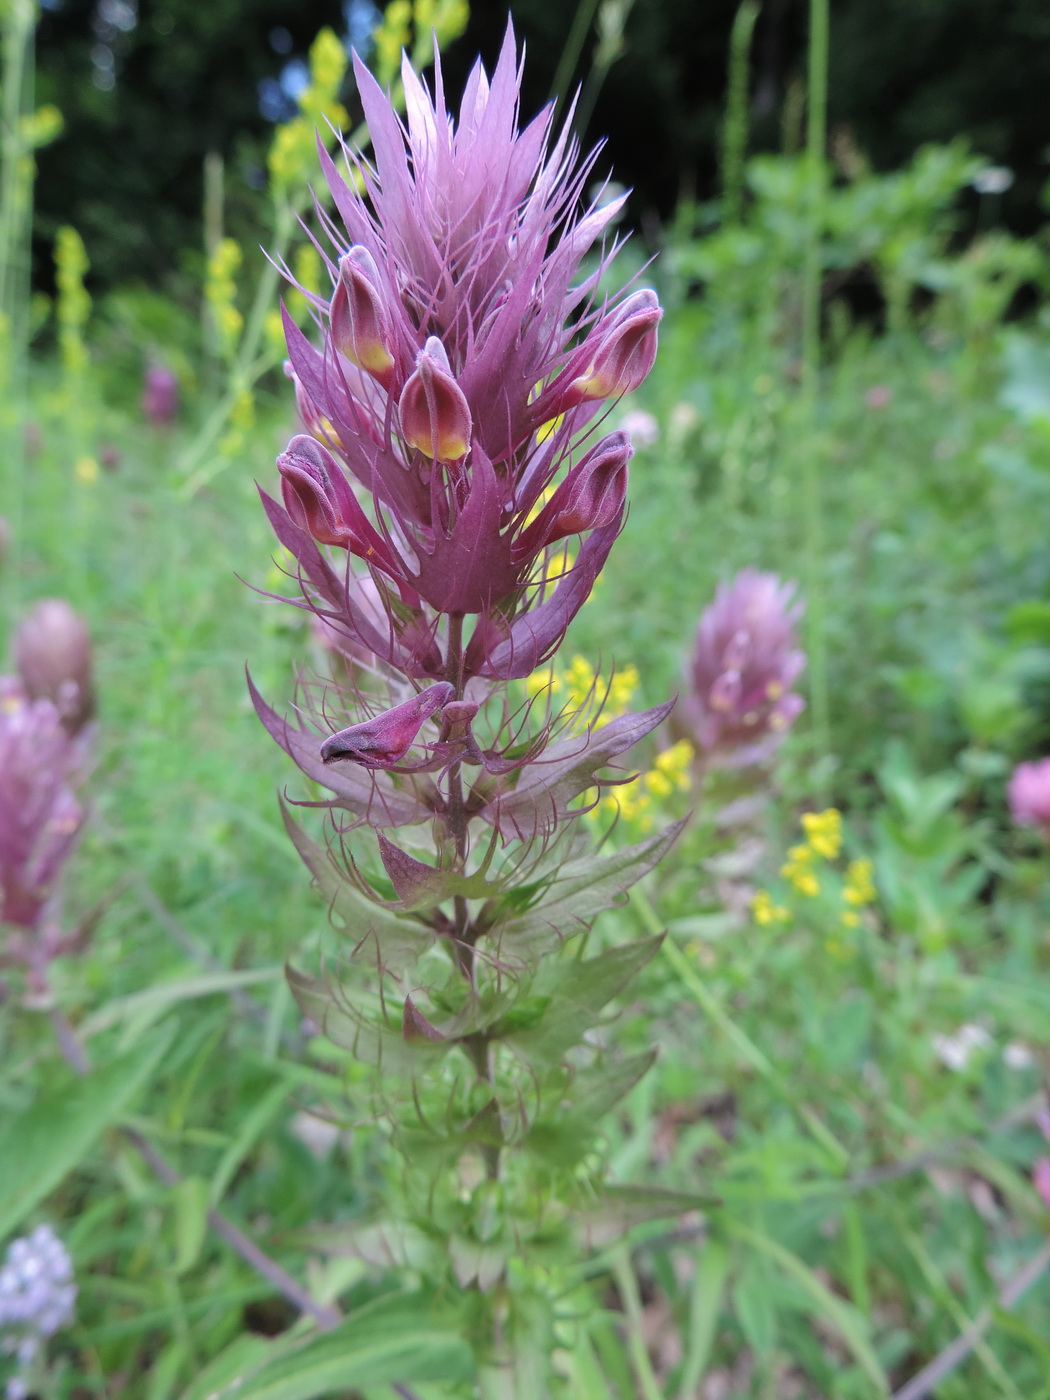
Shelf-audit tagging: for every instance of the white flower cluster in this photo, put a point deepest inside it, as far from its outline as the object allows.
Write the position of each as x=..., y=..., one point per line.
x=37, y=1294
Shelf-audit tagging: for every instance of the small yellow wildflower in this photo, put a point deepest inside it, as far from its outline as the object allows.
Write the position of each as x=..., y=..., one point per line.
x=546, y=678
x=670, y=770
x=85, y=469
x=621, y=691
x=765, y=911
x=798, y=869
x=824, y=832
x=850, y=919
x=859, y=888
x=580, y=680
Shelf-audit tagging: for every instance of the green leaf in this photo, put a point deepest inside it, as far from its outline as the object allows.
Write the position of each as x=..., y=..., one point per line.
x=251, y=1129
x=579, y=992
x=584, y=888
x=705, y=1305
x=191, y=1220
x=371, y=928
x=845, y=1319
x=57, y=1132
x=394, y=1339
x=755, y=1310
x=156, y=1000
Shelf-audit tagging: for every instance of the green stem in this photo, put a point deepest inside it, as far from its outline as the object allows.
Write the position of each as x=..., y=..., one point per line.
x=734, y=148
x=627, y=1286
x=16, y=202
x=570, y=54
x=738, y=1038
x=816, y=142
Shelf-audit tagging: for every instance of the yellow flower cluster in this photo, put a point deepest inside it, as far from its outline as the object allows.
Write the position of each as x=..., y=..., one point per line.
x=823, y=832
x=765, y=911
x=446, y=19
x=823, y=842
x=858, y=890
x=580, y=683
x=292, y=155
x=634, y=802
x=220, y=292
x=74, y=304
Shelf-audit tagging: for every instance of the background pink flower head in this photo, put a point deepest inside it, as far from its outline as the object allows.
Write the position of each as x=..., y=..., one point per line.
x=738, y=702
x=1028, y=793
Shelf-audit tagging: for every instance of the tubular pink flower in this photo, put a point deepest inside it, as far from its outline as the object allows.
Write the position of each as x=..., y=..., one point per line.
x=384, y=740
x=626, y=352
x=1029, y=795
x=435, y=415
x=360, y=325
x=319, y=499
x=738, y=703
x=592, y=495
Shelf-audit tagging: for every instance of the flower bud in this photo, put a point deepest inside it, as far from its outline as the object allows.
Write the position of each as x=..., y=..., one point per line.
x=627, y=350
x=435, y=415
x=591, y=495
x=320, y=500
x=53, y=656
x=383, y=741
x=360, y=326
x=160, y=395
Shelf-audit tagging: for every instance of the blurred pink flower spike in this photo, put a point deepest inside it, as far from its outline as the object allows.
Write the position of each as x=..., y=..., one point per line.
x=160, y=396
x=53, y=657
x=1028, y=793
x=384, y=740
x=738, y=702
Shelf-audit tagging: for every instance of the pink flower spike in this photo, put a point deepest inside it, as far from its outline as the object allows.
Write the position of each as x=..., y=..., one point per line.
x=1029, y=795
x=319, y=499
x=384, y=740
x=738, y=702
x=626, y=353
x=360, y=325
x=435, y=415
x=1041, y=1179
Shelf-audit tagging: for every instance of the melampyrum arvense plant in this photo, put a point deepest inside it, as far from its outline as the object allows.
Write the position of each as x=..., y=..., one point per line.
x=448, y=510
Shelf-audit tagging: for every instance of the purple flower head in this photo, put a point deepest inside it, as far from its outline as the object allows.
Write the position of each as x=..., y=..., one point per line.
x=160, y=396
x=37, y=1296
x=53, y=656
x=1028, y=793
x=464, y=359
x=738, y=701
x=40, y=817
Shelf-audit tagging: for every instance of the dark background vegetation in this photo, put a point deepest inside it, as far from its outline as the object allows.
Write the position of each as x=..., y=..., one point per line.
x=185, y=80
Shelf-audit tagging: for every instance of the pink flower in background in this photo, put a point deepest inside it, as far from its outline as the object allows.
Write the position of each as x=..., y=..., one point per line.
x=160, y=396
x=641, y=427
x=53, y=656
x=738, y=701
x=1028, y=793
x=40, y=817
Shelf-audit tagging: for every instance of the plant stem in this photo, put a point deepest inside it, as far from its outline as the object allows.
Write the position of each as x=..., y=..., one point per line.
x=816, y=142
x=734, y=146
x=931, y=1376
x=325, y=1316
x=741, y=1041
x=627, y=1286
